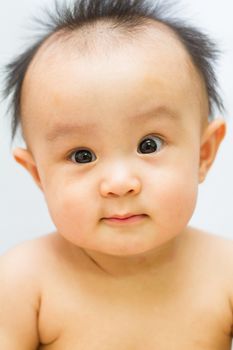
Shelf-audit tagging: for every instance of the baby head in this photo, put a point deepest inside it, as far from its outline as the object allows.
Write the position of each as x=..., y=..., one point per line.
x=116, y=106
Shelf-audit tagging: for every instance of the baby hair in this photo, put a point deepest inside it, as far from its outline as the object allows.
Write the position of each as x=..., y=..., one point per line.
x=127, y=16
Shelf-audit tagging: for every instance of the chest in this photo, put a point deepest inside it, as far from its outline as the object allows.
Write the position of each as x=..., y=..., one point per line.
x=97, y=318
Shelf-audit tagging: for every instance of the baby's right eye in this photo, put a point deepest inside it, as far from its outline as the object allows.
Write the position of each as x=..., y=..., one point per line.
x=82, y=156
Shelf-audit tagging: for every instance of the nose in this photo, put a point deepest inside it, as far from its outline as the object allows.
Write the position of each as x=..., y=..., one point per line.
x=119, y=183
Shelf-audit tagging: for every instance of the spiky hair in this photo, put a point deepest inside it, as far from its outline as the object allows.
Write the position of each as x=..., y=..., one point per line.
x=127, y=15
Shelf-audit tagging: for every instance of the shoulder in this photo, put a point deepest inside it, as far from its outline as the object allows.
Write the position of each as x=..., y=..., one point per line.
x=25, y=251
x=20, y=294
x=25, y=261
x=39, y=260
x=213, y=244
x=215, y=253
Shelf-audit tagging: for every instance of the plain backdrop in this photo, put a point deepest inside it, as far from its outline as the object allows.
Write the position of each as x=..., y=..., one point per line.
x=23, y=212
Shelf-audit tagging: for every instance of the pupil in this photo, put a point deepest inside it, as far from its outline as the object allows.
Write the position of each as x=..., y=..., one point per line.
x=148, y=146
x=83, y=156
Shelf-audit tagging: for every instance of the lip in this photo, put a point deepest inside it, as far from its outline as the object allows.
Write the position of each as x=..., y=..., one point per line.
x=121, y=217
x=125, y=219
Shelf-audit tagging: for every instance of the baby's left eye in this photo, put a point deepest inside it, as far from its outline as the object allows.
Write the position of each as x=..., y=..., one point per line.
x=150, y=144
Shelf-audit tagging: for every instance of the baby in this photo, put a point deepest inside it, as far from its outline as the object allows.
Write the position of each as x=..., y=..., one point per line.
x=116, y=105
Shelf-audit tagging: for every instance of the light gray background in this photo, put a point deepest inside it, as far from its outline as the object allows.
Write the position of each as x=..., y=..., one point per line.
x=23, y=212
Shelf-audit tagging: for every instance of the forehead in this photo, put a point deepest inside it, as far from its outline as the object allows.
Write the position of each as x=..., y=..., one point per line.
x=118, y=74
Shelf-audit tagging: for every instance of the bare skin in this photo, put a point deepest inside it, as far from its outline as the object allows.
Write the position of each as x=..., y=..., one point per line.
x=184, y=304
x=153, y=284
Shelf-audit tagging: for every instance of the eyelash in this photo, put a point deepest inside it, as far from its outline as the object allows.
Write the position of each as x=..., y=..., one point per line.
x=71, y=154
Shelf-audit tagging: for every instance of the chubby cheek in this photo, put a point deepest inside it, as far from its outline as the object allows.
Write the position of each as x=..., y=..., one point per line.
x=73, y=209
x=174, y=199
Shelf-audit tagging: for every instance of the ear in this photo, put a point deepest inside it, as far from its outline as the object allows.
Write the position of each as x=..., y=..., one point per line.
x=211, y=140
x=25, y=158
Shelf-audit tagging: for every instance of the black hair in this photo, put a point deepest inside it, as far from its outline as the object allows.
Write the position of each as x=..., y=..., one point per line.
x=125, y=14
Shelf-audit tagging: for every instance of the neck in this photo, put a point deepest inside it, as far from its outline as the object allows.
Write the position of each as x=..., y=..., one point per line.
x=157, y=260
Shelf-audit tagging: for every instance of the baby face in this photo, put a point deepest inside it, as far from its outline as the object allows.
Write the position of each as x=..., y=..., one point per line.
x=116, y=134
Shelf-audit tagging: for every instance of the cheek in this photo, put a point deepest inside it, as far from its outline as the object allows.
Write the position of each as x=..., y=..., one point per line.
x=72, y=207
x=180, y=197
x=174, y=197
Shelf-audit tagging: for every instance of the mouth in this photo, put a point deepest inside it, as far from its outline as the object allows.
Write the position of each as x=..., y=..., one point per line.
x=125, y=219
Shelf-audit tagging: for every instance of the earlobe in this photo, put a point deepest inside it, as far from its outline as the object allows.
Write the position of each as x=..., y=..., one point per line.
x=25, y=158
x=211, y=140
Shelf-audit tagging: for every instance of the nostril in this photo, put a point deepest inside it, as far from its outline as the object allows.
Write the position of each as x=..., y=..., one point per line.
x=116, y=187
x=112, y=194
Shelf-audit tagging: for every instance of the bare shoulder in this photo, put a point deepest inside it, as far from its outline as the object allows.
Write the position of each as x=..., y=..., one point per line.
x=22, y=279
x=22, y=253
x=213, y=240
x=212, y=243
x=40, y=259
x=26, y=260
x=213, y=251
x=32, y=254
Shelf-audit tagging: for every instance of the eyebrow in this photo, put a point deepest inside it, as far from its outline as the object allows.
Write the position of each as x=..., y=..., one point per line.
x=61, y=130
